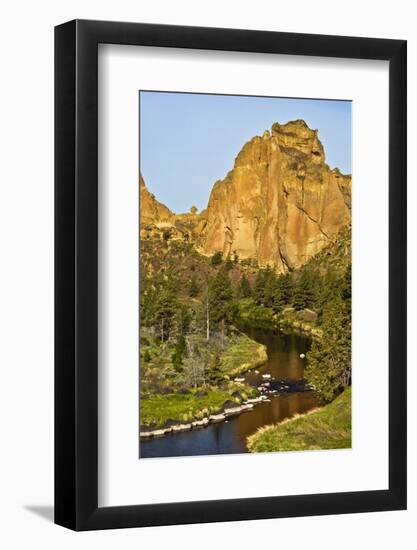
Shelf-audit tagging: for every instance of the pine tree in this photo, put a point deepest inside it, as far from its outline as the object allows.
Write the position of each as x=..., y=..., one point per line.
x=279, y=295
x=304, y=291
x=259, y=288
x=221, y=305
x=183, y=319
x=202, y=323
x=178, y=353
x=245, y=290
x=215, y=375
x=329, y=360
x=217, y=259
x=193, y=289
x=329, y=288
x=286, y=286
x=165, y=309
x=269, y=286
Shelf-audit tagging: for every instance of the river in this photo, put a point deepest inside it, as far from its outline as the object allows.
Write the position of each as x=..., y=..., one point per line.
x=286, y=369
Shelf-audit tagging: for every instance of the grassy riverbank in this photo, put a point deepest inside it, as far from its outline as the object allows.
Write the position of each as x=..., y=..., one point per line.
x=242, y=355
x=249, y=311
x=325, y=428
x=304, y=321
x=158, y=411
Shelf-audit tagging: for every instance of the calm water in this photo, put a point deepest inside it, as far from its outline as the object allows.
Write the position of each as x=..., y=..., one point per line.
x=286, y=369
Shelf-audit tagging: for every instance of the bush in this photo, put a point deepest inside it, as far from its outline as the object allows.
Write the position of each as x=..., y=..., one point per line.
x=217, y=258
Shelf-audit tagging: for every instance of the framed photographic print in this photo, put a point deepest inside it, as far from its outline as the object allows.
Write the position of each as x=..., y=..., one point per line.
x=230, y=338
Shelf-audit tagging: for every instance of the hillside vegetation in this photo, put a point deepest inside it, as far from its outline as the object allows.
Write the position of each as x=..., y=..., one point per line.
x=325, y=428
x=190, y=304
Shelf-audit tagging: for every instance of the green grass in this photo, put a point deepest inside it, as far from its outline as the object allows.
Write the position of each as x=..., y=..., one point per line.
x=156, y=410
x=248, y=310
x=325, y=428
x=241, y=355
x=294, y=322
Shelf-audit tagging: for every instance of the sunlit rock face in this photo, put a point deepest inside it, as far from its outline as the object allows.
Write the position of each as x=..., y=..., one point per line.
x=281, y=204
x=151, y=210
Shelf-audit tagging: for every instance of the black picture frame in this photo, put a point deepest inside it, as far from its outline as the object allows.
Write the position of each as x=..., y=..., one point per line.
x=76, y=273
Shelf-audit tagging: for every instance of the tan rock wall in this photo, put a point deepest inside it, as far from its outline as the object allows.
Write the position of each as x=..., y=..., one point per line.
x=281, y=204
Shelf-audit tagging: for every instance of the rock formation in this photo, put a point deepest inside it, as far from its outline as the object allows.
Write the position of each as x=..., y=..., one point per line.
x=158, y=222
x=151, y=210
x=280, y=204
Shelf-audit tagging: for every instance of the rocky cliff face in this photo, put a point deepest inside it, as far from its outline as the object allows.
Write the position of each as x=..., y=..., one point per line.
x=281, y=203
x=151, y=210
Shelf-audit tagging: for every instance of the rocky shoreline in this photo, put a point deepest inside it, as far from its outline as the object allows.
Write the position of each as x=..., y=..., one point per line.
x=268, y=390
x=227, y=413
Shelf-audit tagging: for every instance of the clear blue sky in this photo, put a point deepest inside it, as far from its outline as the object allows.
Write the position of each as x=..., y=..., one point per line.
x=188, y=141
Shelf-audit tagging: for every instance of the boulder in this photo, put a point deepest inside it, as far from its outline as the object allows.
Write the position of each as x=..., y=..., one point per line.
x=200, y=423
x=229, y=404
x=217, y=418
x=160, y=433
x=308, y=315
x=254, y=400
x=233, y=411
x=181, y=428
